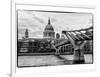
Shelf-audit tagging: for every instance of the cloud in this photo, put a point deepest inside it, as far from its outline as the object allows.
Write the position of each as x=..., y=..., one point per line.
x=39, y=20
x=36, y=34
x=36, y=21
x=34, y=16
x=21, y=31
x=53, y=20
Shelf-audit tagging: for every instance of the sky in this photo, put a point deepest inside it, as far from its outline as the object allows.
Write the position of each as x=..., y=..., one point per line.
x=36, y=21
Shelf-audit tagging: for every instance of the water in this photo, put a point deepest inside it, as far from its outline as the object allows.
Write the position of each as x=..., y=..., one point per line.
x=49, y=60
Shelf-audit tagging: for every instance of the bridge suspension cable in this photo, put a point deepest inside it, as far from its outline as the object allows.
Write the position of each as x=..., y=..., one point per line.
x=78, y=35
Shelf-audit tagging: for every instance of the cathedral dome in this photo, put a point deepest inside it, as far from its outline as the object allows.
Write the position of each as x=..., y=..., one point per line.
x=49, y=27
x=49, y=31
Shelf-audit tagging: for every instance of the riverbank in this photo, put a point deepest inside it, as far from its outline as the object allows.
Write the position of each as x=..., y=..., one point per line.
x=49, y=60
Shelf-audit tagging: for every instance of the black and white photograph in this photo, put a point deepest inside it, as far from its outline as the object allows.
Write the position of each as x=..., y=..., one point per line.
x=54, y=38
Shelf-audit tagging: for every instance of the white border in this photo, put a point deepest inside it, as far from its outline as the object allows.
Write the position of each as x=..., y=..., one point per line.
x=51, y=69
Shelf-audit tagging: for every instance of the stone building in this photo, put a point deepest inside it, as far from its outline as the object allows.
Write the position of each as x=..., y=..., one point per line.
x=49, y=31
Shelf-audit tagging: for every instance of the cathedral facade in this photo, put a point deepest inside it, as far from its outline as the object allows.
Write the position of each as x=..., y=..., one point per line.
x=49, y=31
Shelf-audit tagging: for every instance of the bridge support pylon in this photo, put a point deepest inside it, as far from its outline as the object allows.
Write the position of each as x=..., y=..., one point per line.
x=78, y=57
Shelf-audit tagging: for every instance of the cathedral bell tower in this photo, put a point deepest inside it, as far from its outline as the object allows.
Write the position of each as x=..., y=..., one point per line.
x=26, y=33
